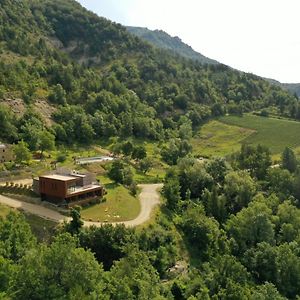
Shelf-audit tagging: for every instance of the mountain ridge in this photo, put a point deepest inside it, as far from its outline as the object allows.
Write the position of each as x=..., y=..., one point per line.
x=162, y=39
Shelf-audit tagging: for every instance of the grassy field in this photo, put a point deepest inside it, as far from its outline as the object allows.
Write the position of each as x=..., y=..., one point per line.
x=218, y=139
x=120, y=205
x=276, y=134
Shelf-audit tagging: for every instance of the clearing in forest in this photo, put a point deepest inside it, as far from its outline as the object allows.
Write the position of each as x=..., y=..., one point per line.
x=218, y=139
x=276, y=134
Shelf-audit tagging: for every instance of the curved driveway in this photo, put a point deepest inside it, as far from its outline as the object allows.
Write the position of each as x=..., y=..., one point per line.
x=149, y=197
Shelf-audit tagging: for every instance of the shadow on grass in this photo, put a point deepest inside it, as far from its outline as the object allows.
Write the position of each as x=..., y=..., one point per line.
x=111, y=186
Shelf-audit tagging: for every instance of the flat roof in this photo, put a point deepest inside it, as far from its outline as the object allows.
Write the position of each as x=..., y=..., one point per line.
x=81, y=189
x=59, y=177
x=79, y=175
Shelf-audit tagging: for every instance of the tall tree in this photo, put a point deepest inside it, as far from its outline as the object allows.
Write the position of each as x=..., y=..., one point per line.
x=288, y=160
x=21, y=152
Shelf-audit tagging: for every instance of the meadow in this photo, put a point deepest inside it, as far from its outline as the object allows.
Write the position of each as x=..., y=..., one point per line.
x=276, y=134
x=218, y=139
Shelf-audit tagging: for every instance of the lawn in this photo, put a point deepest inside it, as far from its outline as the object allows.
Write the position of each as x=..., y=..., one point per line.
x=218, y=139
x=276, y=134
x=120, y=205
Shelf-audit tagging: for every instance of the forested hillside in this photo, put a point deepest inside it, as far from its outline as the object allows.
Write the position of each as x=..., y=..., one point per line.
x=105, y=82
x=292, y=87
x=226, y=231
x=227, y=228
x=163, y=40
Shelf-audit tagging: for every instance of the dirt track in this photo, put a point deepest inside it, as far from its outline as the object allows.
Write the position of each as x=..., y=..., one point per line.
x=149, y=198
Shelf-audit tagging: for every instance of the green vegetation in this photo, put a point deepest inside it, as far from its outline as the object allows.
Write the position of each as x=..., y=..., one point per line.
x=218, y=139
x=115, y=86
x=43, y=229
x=119, y=205
x=276, y=134
x=4, y=210
x=234, y=225
x=221, y=223
x=163, y=40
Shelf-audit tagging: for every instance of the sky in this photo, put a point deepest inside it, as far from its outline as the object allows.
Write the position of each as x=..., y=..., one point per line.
x=257, y=36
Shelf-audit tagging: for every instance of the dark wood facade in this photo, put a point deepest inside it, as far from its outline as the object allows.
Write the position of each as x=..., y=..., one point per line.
x=68, y=190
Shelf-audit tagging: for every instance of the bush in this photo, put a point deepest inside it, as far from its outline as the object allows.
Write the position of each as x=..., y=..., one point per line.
x=264, y=113
x=61, y=157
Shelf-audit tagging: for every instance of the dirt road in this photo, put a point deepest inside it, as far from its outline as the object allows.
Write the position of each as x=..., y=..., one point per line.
x=34, y=209
x=149, y=198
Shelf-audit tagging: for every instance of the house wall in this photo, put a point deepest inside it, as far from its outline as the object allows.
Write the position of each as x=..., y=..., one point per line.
x=53, y=187
x=6, y=154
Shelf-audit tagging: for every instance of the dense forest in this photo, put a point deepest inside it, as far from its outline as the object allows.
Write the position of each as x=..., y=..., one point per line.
x=105, y=82
x=236, y=224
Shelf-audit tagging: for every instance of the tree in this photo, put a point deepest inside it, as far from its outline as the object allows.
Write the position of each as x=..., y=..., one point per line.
x=108, y=243
x=217, y=168
x=280, y=181
x=250, y=226
x=203, y=232
x=226, y=278
x=288, y=160
x=116, y=171
x=239, y=188
x=185, y=129
x=120, y=172
x=171, y=192
x=133, y=277
x=145, y=165
x=288, y=271
x=59, y=271
x=139, y=152
x=256, y=160
x=46, y=141
x=261, y=262
x=7, y=272
x=15, y=237
x=193, y=178
x=215, y=204
x=127, y=148
x=76, y=223
x=21, y=152
x=7, y=124
x=175, y=149
x=58, y=95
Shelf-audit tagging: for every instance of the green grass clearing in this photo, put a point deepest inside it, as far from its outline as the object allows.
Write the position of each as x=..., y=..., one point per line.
x=120, y=205
x=218, y=139
x=276, y=134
